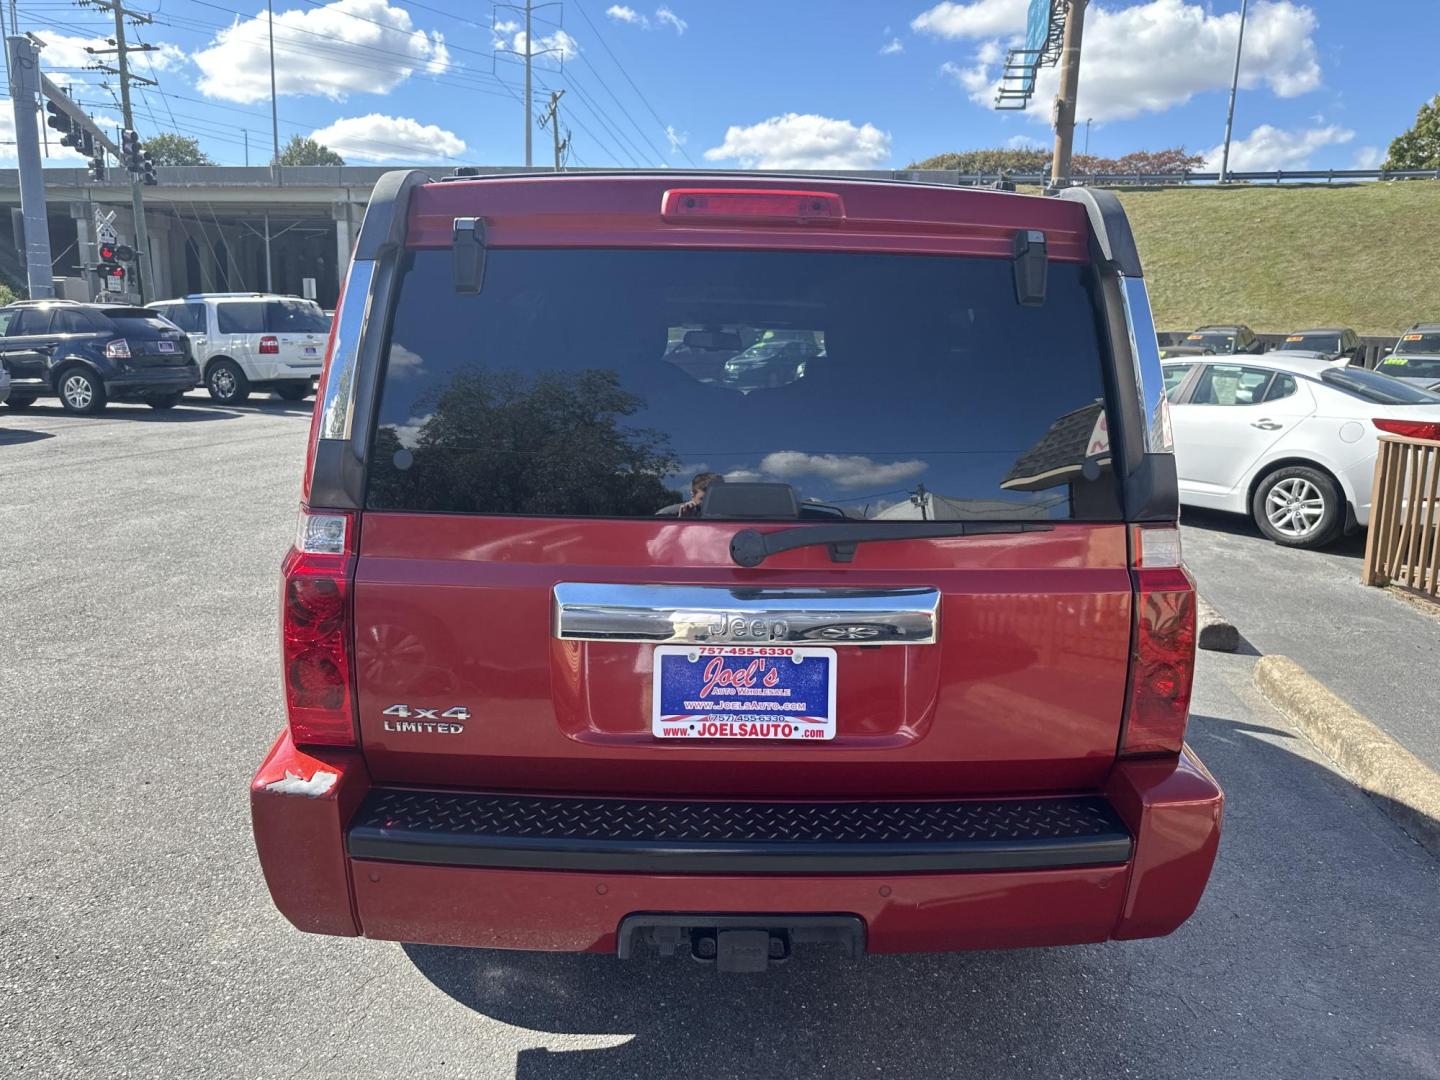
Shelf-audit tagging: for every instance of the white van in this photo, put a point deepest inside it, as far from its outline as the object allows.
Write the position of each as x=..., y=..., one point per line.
x=247, y=342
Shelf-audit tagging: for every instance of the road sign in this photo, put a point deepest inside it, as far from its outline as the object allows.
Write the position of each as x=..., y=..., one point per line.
x=1044, y=34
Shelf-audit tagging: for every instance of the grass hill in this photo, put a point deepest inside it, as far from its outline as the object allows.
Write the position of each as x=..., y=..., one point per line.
x=1284, y=258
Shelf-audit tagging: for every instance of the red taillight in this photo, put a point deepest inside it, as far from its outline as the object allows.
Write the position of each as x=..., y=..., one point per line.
x=315, y=631
x=1162, y=667
x=751, y=205
x=269, y=346
x=1410, y=429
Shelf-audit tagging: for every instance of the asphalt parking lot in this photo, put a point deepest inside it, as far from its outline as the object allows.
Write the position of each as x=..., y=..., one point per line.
x=139, y=675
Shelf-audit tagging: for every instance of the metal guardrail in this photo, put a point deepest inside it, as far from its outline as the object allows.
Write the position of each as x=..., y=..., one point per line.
x=1180, y=179
x=1403, y=546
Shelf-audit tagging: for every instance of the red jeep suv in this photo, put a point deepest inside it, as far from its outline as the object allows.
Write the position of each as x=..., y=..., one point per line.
x=594, y=640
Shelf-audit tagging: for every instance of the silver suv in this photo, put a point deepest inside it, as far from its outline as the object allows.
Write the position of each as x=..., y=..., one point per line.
x=248, y=342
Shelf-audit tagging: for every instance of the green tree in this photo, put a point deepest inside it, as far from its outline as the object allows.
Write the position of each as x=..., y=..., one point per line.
x=300, y=151
x=1419, y=148
x=172, y=149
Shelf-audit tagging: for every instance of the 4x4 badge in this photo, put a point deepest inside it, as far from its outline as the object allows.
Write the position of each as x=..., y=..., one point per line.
x=425, y=721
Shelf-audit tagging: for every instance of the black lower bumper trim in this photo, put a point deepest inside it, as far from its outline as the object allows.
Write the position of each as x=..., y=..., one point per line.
x=692, y=837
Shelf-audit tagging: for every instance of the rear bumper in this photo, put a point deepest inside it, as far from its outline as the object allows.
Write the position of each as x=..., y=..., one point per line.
x=175, y=378
x=1138, y=872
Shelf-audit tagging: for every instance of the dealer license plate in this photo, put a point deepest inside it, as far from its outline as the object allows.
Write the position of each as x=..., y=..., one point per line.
x=166, y=346
x=312, y=350
x=743, y=692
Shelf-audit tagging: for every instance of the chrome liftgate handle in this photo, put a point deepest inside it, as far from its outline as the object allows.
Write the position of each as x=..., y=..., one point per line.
x=740, y=615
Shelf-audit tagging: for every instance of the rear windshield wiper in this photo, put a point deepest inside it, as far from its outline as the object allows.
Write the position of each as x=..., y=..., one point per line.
x=749, y=547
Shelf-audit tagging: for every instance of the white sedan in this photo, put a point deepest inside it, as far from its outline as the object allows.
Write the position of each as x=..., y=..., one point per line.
x=1290, y=440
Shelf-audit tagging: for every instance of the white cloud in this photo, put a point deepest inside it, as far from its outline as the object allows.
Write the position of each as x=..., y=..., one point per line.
x=665, y=17
x=556, y=46
x=976, y=79
x=1368, y=157
x=982, y=18
x=891, y=47
x=676, y=139
x=59, y=155
x=843, y=470
x=796, y=141
x=506, y=26
x=346, y=47
x=621, y=13
x=383, y=138
x=1024, y=142
x=990, y=53
x=1269, y=147
x=68, y=51
x=1153, y=56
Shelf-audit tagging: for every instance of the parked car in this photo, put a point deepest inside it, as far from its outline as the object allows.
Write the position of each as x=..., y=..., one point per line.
x=4, y=384
x=246, y=342
x=1333, y=343
x=88, y=354
x=526, y=712
x=778, y=360
x=1416, y=357
x=1288, y=439
x=1224, y=340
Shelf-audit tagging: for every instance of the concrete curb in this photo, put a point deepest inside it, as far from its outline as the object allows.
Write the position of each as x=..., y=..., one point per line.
x=1405, y=787
x=1217, y=634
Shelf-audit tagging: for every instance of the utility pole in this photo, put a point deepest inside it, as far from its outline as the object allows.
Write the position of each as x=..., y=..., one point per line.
x=146, y=277
x=246, y=133
x=1069, y=90
x=274, y=114
x=552, y=118
x=24, y=86
x=1234, y=85
x=529, y=56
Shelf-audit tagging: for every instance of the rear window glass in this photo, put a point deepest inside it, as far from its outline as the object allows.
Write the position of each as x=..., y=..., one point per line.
x=295, y=317
x=1380, y=389
x=139, y=322
x=1411, y=367
x=1419, y=342
x=1310, y=343
x=617, y=383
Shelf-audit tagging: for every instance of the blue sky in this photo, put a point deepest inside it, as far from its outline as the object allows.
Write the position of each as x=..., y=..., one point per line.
x=1325, y=83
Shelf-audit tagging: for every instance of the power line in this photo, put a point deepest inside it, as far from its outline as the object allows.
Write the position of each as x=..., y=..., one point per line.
x=638, y=93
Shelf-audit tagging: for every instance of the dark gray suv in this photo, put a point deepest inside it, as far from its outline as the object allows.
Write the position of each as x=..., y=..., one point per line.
x=88, y=354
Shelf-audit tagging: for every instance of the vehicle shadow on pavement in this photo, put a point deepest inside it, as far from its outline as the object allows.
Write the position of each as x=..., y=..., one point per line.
x=184, y=413
x=1238, y=990
x=1351, y=546
x=16, y=436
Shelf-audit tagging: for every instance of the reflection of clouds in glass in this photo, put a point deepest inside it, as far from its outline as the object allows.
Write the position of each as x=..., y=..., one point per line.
x=403, y=362
x=409, y=432
x=744, y=476
x=843, y=470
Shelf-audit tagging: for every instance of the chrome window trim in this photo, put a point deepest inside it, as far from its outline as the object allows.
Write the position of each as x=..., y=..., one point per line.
x=743, y=615
x=1149, y=376
x=337, y=396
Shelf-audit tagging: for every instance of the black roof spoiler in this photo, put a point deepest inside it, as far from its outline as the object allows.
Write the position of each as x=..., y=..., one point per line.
x=1110, y=226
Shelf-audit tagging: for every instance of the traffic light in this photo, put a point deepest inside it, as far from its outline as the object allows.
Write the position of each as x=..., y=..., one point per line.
x=97, y=167
x=109, y=270
x=130, y=152
x=147, y=170
x=62, y=122
x=87, y=144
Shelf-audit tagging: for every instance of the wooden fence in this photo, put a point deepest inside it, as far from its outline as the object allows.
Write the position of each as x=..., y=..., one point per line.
x=1403, y=546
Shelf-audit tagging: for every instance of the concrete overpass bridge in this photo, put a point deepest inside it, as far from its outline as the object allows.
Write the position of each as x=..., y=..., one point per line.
x=209, y=225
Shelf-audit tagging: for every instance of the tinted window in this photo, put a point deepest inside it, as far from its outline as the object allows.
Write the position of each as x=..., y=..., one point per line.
x=1411, y=367
x=1416, y=341
x=1282, y=387
x=1373, y=387
x=29, y=320
x=295, y=317
x=1220, y=342
x=601, y=383
x=1230, y=384
x=240, y=317
x=1327, y=343
x=69, y=321
x=1174, y=376
x=188, y=317
x=139, y=322
x=7, y=316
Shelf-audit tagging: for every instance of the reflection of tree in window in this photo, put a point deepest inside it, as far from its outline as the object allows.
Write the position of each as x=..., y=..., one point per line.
x=508, y=442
